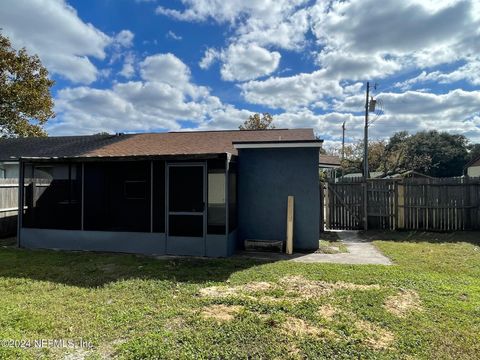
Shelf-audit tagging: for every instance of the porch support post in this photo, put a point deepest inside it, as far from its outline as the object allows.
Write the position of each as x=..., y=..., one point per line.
x=151, y=196
x=227, y=185
x=21, y=189
x=82, y=216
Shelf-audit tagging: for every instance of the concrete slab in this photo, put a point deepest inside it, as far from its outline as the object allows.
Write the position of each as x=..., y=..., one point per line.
x=359, y=252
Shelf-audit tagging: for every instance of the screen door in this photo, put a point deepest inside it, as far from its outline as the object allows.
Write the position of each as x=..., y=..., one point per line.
x=186, y=201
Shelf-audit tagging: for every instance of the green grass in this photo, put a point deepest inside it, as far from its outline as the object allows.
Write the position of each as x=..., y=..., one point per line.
x=133, y=307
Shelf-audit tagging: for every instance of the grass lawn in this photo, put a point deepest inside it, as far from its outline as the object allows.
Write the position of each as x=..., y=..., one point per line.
x=426, y=306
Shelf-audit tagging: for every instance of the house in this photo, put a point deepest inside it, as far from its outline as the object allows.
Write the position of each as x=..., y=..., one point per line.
x=329, y=161
x=181, y=193
x=373, y=175
x=409, y=174
x=328, y=165
x=472, y=168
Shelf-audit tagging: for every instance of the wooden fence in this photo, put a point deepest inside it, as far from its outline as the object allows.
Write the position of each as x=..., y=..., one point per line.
x=8, y=206
x=413, y=204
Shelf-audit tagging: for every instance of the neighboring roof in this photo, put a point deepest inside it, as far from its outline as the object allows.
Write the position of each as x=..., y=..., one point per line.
x=409, y=173
x=373, y=175
x=329, y=161
x=149, y=144
x=473, y=162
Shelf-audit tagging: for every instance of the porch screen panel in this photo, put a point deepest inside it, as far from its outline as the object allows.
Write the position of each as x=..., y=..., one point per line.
x=232, y=197
x=53, y=196
x=216, y=219
x=159, y=196
x=117, y=196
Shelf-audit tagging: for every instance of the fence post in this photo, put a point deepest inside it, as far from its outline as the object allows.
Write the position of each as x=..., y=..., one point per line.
x=467, y=205
x=365, y=205
x=327, y=205
x=401, y=205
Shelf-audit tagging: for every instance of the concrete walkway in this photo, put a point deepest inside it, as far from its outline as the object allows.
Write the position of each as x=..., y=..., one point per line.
x=359, y=252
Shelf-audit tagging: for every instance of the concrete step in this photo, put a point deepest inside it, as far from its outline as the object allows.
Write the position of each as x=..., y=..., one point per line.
x=264, y=245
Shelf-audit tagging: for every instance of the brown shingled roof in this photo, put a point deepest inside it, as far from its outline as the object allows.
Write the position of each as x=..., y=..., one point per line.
x=150, y=144
x=330, y=160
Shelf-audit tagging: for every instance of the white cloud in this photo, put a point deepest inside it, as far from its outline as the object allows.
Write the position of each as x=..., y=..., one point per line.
x=209, y=57
x=165, y=68
x=469, y=72
x=404, y=34
x=294, y=91
x=171, y=35
x=128, y=68
x=124, y=38
x=454, y=111
x=161, y=100
x=258, y=26
x=246, y=62
x=53, y=30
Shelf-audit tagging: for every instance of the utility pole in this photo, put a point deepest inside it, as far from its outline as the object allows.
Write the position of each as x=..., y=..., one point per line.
x=343, y=148
x=365, y=163
x=365, y=137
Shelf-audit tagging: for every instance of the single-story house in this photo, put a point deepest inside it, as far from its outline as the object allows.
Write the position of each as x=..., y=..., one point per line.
x=181, y=193
x=472, y=168
x=329, y=164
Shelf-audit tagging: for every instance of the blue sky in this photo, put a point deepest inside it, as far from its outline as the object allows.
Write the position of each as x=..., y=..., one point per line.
x=146, y=65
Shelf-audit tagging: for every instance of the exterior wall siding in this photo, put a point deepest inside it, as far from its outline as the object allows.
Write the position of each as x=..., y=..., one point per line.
x=473, y=171
x=266, y=178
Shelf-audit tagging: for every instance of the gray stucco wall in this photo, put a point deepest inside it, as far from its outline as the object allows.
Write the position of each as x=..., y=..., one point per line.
x=127, y=242
x=266, y=177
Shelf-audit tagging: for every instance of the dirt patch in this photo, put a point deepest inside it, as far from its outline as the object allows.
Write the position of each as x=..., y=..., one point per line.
x=297, y=327
x=328, y=312
x=402, y=303
x=218, y=291
x=377, y=337
x=298, y=285
x=238, y=290
x=221, y=313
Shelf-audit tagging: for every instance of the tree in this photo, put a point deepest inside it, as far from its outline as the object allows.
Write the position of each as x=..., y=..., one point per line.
x=255, y=122
x=434, y=153
x=473, y=151
x=25, y=100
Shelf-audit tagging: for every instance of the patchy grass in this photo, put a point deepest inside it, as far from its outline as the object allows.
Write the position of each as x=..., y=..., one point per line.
x=426, y=306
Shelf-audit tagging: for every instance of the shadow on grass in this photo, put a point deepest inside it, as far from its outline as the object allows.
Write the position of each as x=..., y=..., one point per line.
x=92, y=269
x=472, y=237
